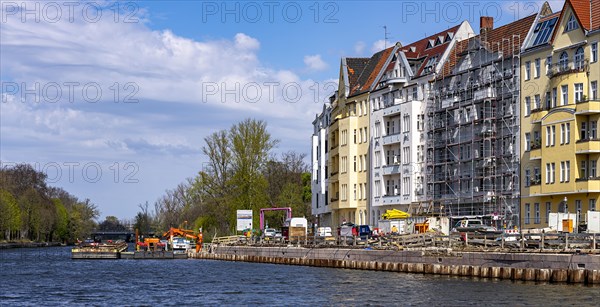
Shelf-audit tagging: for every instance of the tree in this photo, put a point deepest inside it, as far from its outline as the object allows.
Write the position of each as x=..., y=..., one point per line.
x=111, y=223
x=10, y=214
x=62, y=220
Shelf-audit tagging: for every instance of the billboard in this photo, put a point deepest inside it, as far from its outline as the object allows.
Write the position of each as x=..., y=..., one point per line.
x=244, y=220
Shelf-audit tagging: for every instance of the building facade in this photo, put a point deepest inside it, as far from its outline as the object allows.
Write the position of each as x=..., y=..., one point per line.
x=560, y=112
x=473, y=152
x=320, y=160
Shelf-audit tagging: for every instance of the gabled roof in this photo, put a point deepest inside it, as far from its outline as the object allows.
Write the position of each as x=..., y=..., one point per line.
x=419, y=51
x=515, y=31
x=354, y=67
x=581, y=8
x=372, y=69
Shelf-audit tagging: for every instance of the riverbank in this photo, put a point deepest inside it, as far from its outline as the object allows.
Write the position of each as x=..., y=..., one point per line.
x=542, y=267
x=7, y=245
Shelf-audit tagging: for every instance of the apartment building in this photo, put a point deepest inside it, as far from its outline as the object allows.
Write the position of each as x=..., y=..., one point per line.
x=473, y=148
x=320, y=161
x=398, y=102
x=560, y=113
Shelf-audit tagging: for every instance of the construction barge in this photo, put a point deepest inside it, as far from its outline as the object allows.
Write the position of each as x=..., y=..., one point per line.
x=99, y=250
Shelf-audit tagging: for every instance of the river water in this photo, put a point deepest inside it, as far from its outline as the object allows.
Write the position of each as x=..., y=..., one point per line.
x=48, y=276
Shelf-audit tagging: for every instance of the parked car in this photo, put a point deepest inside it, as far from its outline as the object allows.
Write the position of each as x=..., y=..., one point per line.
x=324, y=232
x=269, y=232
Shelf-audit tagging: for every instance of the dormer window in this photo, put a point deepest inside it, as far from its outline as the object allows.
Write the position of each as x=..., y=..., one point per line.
x=439, y=40
x=449, y=37
x=571, y=24
x=430, y=44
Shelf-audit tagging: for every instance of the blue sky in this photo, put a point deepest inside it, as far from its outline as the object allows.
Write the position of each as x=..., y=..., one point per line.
x=115, y=105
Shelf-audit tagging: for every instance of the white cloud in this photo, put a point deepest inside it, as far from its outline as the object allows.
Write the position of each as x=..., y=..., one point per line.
x=186, y=89
x=314, y=62
x=380, y=45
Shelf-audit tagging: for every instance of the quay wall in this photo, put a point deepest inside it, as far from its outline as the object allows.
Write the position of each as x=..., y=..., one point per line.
x=545, y=267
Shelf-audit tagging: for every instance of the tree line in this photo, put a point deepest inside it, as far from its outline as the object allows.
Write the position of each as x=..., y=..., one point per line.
x=32, y=210
x=242, y=172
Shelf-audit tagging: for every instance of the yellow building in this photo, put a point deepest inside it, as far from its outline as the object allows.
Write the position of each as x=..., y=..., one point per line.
x=559, y=114
x=349, y=137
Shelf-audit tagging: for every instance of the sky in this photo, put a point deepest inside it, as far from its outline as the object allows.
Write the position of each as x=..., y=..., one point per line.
x=113, y=100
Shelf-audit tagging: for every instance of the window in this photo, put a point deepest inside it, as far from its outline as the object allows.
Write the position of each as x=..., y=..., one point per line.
x=537, y=68
x=527, y=213
x=377, y=159
x=593, y=168
x=527, y=106
x=553, y=139
x=578, y=92
x=360, y=136
x=536, y=210
x=548, y=173
x=548, y=64
x=592, y=205
x=553, y=172
x=405, y=185
x=527, y=178
x=527, y=70
x=578, y=59
x=563, y=62
x=562, y=134
x=594, y=90
x=355, y=136
x=548, y=101
x=567, y=171
x=355, y=191
x=548, y=209
x=571, y=24
x=554, y=97
x=355, y=163
x=415, y=92
x=583, y=170
x=344, y=195
x=377, y=191
x=377, y=131
x=547, y=136
x=594, y=52
x=406, y=155
x=344, y=137
x=527, y=141
x=537, y=102
x=536, y=175
x=562, y=171
x=406, y=122
x=567, y=133
x=593, y=129
x=565, y=95
x=583, y=135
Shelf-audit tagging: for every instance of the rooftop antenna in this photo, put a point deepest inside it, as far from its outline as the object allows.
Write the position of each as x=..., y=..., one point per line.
x=385, y=37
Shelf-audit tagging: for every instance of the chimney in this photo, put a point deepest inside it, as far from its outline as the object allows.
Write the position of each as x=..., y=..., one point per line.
x=486, y=23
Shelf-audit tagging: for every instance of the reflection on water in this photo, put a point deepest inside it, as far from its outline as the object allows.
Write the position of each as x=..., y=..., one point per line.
x=47, y=276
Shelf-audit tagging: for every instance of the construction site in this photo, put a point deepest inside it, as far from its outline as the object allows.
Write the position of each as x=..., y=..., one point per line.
x=473, y=128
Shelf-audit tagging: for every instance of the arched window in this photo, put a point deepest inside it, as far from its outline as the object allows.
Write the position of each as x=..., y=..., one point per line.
x=563, y=62
x=578, y=59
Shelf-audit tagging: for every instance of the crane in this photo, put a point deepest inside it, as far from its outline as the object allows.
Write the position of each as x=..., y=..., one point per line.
x=186, y=233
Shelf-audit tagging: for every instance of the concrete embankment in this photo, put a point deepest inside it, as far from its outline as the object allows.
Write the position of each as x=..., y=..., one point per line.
x=543, y=267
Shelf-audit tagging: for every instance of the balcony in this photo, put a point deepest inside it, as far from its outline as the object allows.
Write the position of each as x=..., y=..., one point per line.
x=396, y=80
x=390, y=139
x=391, y=169
x=537, y=115
x=559, y=69
x=448, y=102
x=587, y=107
x=588, y=185
x=535, y=154
x=392, y=110
x=587, y=146
x=392, y=199
x=484, y=94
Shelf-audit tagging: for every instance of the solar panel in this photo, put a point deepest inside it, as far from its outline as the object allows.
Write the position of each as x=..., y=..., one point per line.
x=545, y=29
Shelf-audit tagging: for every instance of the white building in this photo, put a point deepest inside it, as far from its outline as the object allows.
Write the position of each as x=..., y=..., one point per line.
x=320, y=160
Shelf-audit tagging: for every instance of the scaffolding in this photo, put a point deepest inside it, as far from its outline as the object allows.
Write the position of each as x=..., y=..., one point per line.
x=472, y=144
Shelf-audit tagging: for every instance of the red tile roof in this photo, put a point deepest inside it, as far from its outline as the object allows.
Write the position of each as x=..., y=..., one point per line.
x=507, y=38
x=372, y=69
x=595, y=12
x=582, y=11
x=421, y=51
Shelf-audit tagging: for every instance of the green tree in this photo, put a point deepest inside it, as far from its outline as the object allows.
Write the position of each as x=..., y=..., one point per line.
x=10, y=215
x=62, y=220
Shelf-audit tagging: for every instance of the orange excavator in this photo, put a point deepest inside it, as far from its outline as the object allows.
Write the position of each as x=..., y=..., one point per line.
x=185, y=233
